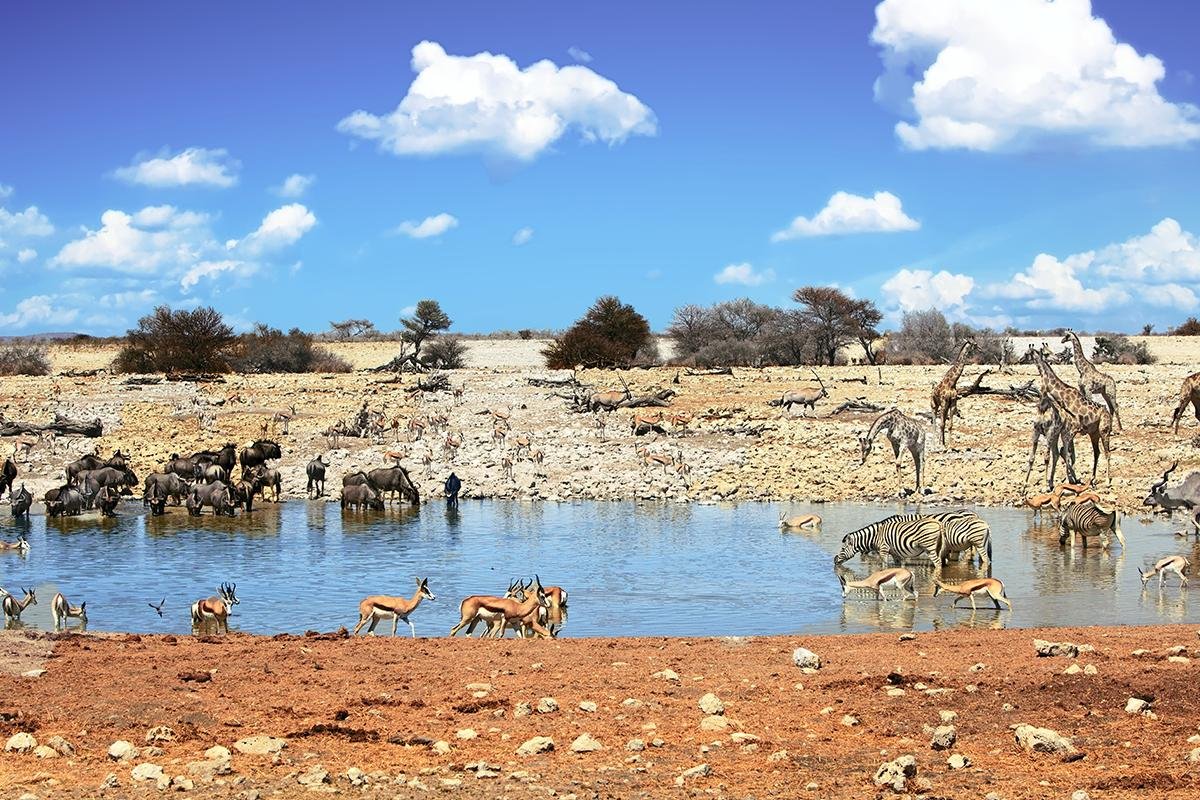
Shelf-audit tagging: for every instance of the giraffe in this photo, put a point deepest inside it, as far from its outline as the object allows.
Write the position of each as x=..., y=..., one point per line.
x=1093, y=381
x=1080, y=414
x=1060, y=443
x=1189, y=392
x=902, y=431
x=945, y=400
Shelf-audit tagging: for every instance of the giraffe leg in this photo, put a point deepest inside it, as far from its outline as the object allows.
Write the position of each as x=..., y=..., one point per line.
x=1032, y=454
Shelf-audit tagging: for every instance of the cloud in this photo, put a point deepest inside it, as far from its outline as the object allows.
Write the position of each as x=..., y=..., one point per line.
x=25, y=255
x=486, y=103
x=5, y=191
x=851, y=213
x=27, y=223
x=522, y=236
x=295, y=185
x=1049, y=283
x=579, y=54
x=1005, y=74
x=920, y=289
x=430, y=226
x=282, y=227
x=744, y=274
x=210, y=269
x=195, y=166
x=39, y=309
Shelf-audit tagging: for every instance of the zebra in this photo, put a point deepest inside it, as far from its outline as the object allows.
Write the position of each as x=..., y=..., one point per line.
x=964, y=530
x=1088, y=519
x=902, y=537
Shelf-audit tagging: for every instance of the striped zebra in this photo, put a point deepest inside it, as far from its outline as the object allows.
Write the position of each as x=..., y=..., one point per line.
x=1088, y=519
x=964, y=530
x=902, y=537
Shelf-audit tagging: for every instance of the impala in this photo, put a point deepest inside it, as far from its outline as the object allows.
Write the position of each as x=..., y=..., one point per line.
x=20, y=546
x=899, y=577
x=61, y=610
x=13, y=607
x=215, y=610
x=378, y=606
x=800, y=521
x=993, y=587
x=1177, y=564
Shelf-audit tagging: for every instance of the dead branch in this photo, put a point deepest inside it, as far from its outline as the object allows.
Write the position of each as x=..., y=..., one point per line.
x=858, y=406
x=715, y=371
x=60, y=425
x=437, y=382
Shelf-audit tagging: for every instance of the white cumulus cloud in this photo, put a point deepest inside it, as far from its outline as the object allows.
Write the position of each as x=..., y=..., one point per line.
x=744, y=274
x=295, y=185
x=40, y=309
x=25, y=255
x=195, y=166
x=27, y=223
x=920, y=289
x=579, y=54
x=1004, y=74
x=282, y=227
x=144, y=242
x=486, y=103
x=522, y=236
x=430, y=226
x=851, y=213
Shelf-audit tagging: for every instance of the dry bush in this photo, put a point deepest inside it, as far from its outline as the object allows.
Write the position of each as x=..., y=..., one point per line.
x=1117, y=348
x=268, y=349
x=177, y=341
x=445, y=352
x=610, y=334
x=1189, y=327
x=17, y=358
x=924, y=338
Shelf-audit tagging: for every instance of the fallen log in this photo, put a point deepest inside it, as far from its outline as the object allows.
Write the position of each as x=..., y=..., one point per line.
x=552, y=383
x=61, y=425
x=856, y=406
x=691, y=373
x=438, y=382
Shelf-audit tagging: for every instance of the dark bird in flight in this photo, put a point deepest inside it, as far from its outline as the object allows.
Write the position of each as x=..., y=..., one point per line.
x=158, y=607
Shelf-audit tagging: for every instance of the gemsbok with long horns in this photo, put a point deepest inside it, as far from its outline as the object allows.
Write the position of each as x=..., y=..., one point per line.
x=992, y=587
x=215, y=610
x=379, y=606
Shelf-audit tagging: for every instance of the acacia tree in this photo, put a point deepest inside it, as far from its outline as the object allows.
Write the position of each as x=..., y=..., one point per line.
x=352, y=328
x=188, y=341
x=610, y=334
x=426, y=322
x=834, y=319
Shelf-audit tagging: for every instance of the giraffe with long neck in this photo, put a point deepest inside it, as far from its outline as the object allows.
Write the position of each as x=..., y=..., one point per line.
x=1093, y=381
x=902, y=432
x=1081, y=414
x=945, y=399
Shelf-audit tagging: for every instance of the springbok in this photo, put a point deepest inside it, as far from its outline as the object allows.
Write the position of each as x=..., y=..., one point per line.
x=450, y=446
x=498, y=434
x=506, y=467
x=651, y=421
x=427, y=460
x=500, y=612
x=1039, y=501
x=899, y=577
x=1066, y=501
x=416, y=428
x=23, y=444
x=655, y=459
x=13, y=607
x=800, y=521
x=61, y=610
x=501, y=418
x=285, y=417
x=551, y=616
x=477, y=607
x=537, y=456
x=378, y=606
x=395, y=455
x=993, y=587
x=215, y=609
x=521, y=443
x=20, y=546
x=1177, y=564
x=601, y=425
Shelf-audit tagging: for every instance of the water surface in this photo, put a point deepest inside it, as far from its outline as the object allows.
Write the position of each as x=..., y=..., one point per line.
x=630, y=569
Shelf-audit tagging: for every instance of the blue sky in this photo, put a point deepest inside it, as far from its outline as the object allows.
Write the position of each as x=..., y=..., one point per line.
x=1009, y=161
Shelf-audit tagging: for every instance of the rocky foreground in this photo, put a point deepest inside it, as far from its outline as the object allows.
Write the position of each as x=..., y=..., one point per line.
x=736, y=446
x=1094, y=712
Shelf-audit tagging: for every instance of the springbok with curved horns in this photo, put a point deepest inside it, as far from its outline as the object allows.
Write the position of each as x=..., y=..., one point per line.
x=1177, y=564
x=992, y=587
x=215, y=610
x=500, y=612
x=13, y=607
x=899, y=577
x=61, y=610
x=378, y=606
x=20, y=546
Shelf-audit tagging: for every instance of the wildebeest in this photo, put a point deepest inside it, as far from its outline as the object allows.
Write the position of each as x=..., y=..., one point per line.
x=360, y=496
x=394, y=480
x=7, y=475
x=21, y=501
x=242, y=493
x=354, y=478
x=225, y=458
x=67, y=502
x=211, y=473
x=453, y=487
x=257, y=453
x=215, y=495
x=269, y=479
x=121, y=480
x=169, y=484
x=90, y=462
x=106, y=501
x=316, y=476
x=156, y=497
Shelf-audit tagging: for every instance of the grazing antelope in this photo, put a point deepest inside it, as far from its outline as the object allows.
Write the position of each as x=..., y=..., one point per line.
x=427, y=460
x=378, y=606
x=215, y=610
x=13, y=607
x=506, y=466
x=1177, y=564
x=1075, y=499
x=521, y=443
x=450, y=446
x=1088, y=519
x=416, y=428
x=20, y=546
x=500, y=612
x=799, y=521
x=395, y=455
x=537, y=456
x=61, y=610
x=1039, y=501
x=498, y=434
x=993, y=587
x=899, y=577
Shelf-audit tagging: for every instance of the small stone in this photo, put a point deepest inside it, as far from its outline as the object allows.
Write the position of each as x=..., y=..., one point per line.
x=356, y=777
x=584, y=743
x=698, y=771
x=777, y=756
x=479, y=687
x=907, y=637
x=218, y=753
x=441, y=747
x=978, y=667
x=259, y=745
x=1080, y=794
x=737, y=737
x=895, y=773
x=666, y=675
x=1048, y=649
x=61, y=746
x=1090, y=669
x=812, y=786
x=895, y=692
x=806, y=659
x=944, y=737
x=182, y=783
x=122, y=750
x=588, y=706
x=713, y=723
x=20, y=743
x=1074, y=669
x=849, y=721
x=538, y=744
x=1179, y=660
x=657, y=743
x=632, y=702
x=146, y=772
x=711, y=704
x=948, y=716
x=1194, y=756
x=110, y=782
x=635, y=745
x=466, y=734
x=547, y=705
x=1007, y=708
x=1042, y=740
x=1136, y=705
x=522, y=710
x=314, y=776
x=33, y=673
x=45, y=751
x=958, y=761
x=160, y=734
x=207, y=770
